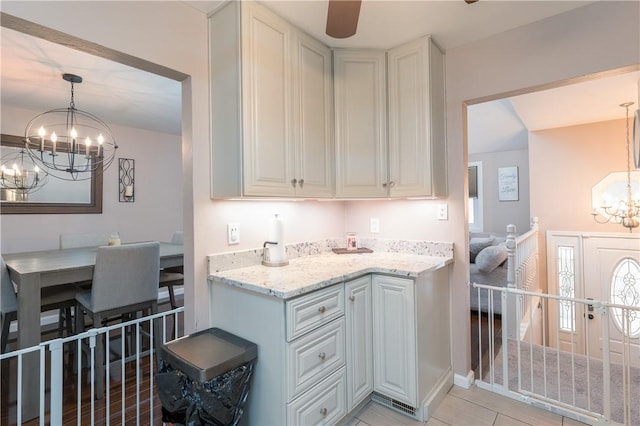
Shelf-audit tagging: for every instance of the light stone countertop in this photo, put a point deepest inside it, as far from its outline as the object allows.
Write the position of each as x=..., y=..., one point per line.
x=309, y=273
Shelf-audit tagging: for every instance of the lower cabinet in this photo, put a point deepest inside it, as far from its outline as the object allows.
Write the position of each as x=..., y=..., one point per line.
x=324, y=404
x=322, y=354
x=359, y=345
x=394, y=338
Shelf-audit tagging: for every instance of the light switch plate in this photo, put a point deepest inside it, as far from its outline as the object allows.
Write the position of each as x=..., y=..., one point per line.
x=443, y=212
x=375, y=225
x=233, y=233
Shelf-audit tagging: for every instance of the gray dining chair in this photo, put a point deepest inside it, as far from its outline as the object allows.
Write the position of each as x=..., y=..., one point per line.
x=173, y=276
x=125, y=281
x=52, y=298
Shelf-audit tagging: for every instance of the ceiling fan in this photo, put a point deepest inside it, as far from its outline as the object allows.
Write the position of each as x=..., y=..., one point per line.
x=342, y=17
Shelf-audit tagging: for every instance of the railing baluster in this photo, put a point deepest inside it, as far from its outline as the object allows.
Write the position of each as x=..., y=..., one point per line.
x=57, y=360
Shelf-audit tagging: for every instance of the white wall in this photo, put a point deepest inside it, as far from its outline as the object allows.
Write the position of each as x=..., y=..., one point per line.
x=154, y=215
x=498, y=214
x=172, y=34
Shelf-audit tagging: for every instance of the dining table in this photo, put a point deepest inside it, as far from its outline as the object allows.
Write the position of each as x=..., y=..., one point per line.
x=35, y=270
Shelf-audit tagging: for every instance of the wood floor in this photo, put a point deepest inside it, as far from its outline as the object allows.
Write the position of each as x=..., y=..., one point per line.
x=148, y=403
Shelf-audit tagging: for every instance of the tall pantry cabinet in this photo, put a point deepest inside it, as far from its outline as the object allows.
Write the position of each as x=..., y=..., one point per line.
x=271, y=106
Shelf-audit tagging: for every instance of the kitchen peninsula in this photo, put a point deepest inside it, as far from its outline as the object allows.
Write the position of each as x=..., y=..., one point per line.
x=334, y=331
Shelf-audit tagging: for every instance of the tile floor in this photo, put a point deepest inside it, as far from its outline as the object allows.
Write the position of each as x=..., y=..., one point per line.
x=472, y=406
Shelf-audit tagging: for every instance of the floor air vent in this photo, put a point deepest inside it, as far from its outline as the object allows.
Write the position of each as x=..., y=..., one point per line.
x=394, y=404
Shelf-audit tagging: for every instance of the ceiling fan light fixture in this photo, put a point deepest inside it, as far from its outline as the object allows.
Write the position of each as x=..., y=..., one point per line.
x=342, y=18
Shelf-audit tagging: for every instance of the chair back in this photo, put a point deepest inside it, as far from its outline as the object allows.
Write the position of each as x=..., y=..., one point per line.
x=8, y=299
x=125, y=275
x=83, y=240
x=178, y=237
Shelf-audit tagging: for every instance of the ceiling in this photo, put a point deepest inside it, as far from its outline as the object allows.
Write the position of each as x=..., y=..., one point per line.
x=31, y=68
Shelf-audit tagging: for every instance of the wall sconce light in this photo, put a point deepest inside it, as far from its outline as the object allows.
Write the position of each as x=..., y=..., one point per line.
x=127, y=169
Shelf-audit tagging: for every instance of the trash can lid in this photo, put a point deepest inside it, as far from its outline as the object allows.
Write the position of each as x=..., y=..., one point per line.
x=208, y=353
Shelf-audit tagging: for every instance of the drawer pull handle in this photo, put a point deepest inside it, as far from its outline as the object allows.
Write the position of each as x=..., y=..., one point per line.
x=322, y=355
x=321, y=309
x=323, y=412
x=352, y=298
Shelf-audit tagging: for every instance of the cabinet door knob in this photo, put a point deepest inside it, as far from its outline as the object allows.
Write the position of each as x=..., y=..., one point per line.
x=301, y=182
x=352, y=298
x=384, y=184
x=323, y=412
x=321, y=309
x=294, y=181
x=322, y=355
x=392, y=184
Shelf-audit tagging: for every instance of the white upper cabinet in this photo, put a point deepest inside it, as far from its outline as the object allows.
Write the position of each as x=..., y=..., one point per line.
x=275, y=99
x=409, y=160
x=271, y=106
x=416, y=120
x=361, y=123
x=266, y=109
x=313, y=117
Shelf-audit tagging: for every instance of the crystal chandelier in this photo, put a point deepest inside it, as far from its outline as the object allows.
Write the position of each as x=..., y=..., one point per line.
x=70, y=143
x=622, y=207
x=18, y=175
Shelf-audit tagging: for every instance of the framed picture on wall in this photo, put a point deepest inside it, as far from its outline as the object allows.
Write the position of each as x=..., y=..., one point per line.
x=508, y=183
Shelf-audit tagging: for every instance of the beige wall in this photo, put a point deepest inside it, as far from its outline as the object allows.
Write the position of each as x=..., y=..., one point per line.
x=566, y=46
x=565, y=163
x=498, y=214
x=158, y=185
x=174, y=35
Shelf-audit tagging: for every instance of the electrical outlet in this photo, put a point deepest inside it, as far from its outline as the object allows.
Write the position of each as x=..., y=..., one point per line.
x=443, y=212
x=233, y=233
x=375, y=225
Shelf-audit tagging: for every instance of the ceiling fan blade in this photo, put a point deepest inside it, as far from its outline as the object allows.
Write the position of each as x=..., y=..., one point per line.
x=342, y=18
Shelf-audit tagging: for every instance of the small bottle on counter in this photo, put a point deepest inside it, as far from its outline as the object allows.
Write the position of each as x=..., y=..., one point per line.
x=352, y=241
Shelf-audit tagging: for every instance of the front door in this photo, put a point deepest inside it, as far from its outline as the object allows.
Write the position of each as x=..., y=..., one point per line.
x=612, y=274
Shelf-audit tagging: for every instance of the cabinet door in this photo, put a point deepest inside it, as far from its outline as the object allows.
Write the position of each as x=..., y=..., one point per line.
x=313, y=171
x=266, y=78
x=359, y=340
x=361, y=116
x=394, y=338
x=409, y=124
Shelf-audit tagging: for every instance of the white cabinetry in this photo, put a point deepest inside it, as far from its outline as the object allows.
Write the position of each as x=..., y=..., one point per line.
x=359, y=333
x=394, y=338
x=313, y=117
x=411, y=341
x=410, y=161
x=270, y=105
x=361, y=123
x=417, y=155
x=323, y=354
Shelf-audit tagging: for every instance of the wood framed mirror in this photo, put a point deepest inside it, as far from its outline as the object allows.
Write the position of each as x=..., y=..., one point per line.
x=57, y=196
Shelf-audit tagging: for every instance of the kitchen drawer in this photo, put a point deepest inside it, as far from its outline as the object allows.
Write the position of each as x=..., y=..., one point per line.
x=314, y=309
x=325, y=404
x=314, y=356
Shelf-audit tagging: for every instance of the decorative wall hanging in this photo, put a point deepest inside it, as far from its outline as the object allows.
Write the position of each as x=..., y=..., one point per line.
x=127, y=173
x=508, y=183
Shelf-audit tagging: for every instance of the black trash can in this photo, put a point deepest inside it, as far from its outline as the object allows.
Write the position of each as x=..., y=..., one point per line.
x=204, y=378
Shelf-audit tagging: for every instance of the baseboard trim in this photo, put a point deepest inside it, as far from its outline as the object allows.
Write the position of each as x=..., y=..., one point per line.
x=464, y=381
x=436, y=396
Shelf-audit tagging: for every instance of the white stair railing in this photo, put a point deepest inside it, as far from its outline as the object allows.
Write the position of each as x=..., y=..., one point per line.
x=54, y=371
x=563, y=381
